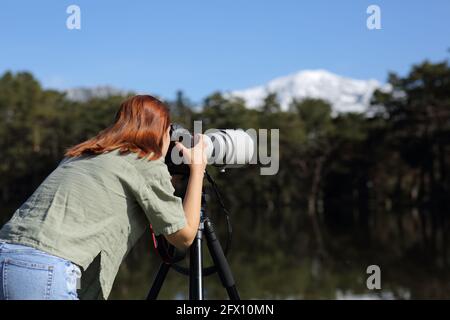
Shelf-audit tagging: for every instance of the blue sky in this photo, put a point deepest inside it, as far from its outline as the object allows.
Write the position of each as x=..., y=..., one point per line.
x=203, y=46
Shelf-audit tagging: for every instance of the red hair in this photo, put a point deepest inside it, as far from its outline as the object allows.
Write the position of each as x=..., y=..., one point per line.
x=139, y=127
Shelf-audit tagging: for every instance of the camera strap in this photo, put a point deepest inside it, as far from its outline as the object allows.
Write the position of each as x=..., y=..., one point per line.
x=168, y=253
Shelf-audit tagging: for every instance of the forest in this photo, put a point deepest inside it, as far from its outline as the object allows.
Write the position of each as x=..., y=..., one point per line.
x=352, y=189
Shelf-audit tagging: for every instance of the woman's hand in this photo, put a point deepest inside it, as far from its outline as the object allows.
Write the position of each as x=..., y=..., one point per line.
x=195, y=157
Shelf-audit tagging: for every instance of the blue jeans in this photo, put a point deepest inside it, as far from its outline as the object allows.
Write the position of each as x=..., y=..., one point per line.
x=30, y=274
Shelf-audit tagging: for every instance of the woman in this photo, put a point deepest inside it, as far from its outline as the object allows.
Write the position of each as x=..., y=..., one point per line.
x=90, y=211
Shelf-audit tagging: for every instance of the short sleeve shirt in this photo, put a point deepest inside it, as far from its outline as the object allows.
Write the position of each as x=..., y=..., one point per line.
x=97, y=207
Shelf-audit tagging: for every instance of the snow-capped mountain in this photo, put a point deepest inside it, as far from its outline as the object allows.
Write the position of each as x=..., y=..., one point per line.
x=344, y=94
x=83, y=94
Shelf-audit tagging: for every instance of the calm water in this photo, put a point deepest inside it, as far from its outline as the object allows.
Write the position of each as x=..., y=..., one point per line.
x=287, y=263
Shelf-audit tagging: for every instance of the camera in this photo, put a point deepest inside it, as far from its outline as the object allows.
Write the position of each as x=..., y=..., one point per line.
x=226, y=148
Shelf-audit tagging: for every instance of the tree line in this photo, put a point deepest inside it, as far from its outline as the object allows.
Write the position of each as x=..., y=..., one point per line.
x=382, y=177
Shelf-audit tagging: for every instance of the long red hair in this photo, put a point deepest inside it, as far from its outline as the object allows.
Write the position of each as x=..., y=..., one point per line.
x=139, y=127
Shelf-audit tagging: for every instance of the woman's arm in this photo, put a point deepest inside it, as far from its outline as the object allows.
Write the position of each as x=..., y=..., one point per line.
x=196, y=159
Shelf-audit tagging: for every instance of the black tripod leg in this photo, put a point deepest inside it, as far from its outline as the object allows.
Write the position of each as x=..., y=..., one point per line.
x=196, y=267
x=221, y=263
x=158, y=282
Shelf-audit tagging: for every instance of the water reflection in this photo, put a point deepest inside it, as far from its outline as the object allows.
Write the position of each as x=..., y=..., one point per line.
x=277, y=262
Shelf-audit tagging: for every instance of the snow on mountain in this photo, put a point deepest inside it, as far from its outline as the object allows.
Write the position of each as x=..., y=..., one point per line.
x=344, y=94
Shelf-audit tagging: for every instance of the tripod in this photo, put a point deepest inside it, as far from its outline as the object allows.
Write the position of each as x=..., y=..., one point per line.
x=196, y=272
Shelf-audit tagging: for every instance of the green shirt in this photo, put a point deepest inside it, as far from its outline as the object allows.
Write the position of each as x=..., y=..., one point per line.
x=91, y=210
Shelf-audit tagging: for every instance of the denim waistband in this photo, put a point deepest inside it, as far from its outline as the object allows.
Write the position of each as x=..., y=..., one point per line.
x=7, y=247
x=29, y=273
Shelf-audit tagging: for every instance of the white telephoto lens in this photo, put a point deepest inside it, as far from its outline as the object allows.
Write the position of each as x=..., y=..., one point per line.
x=229, y=148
